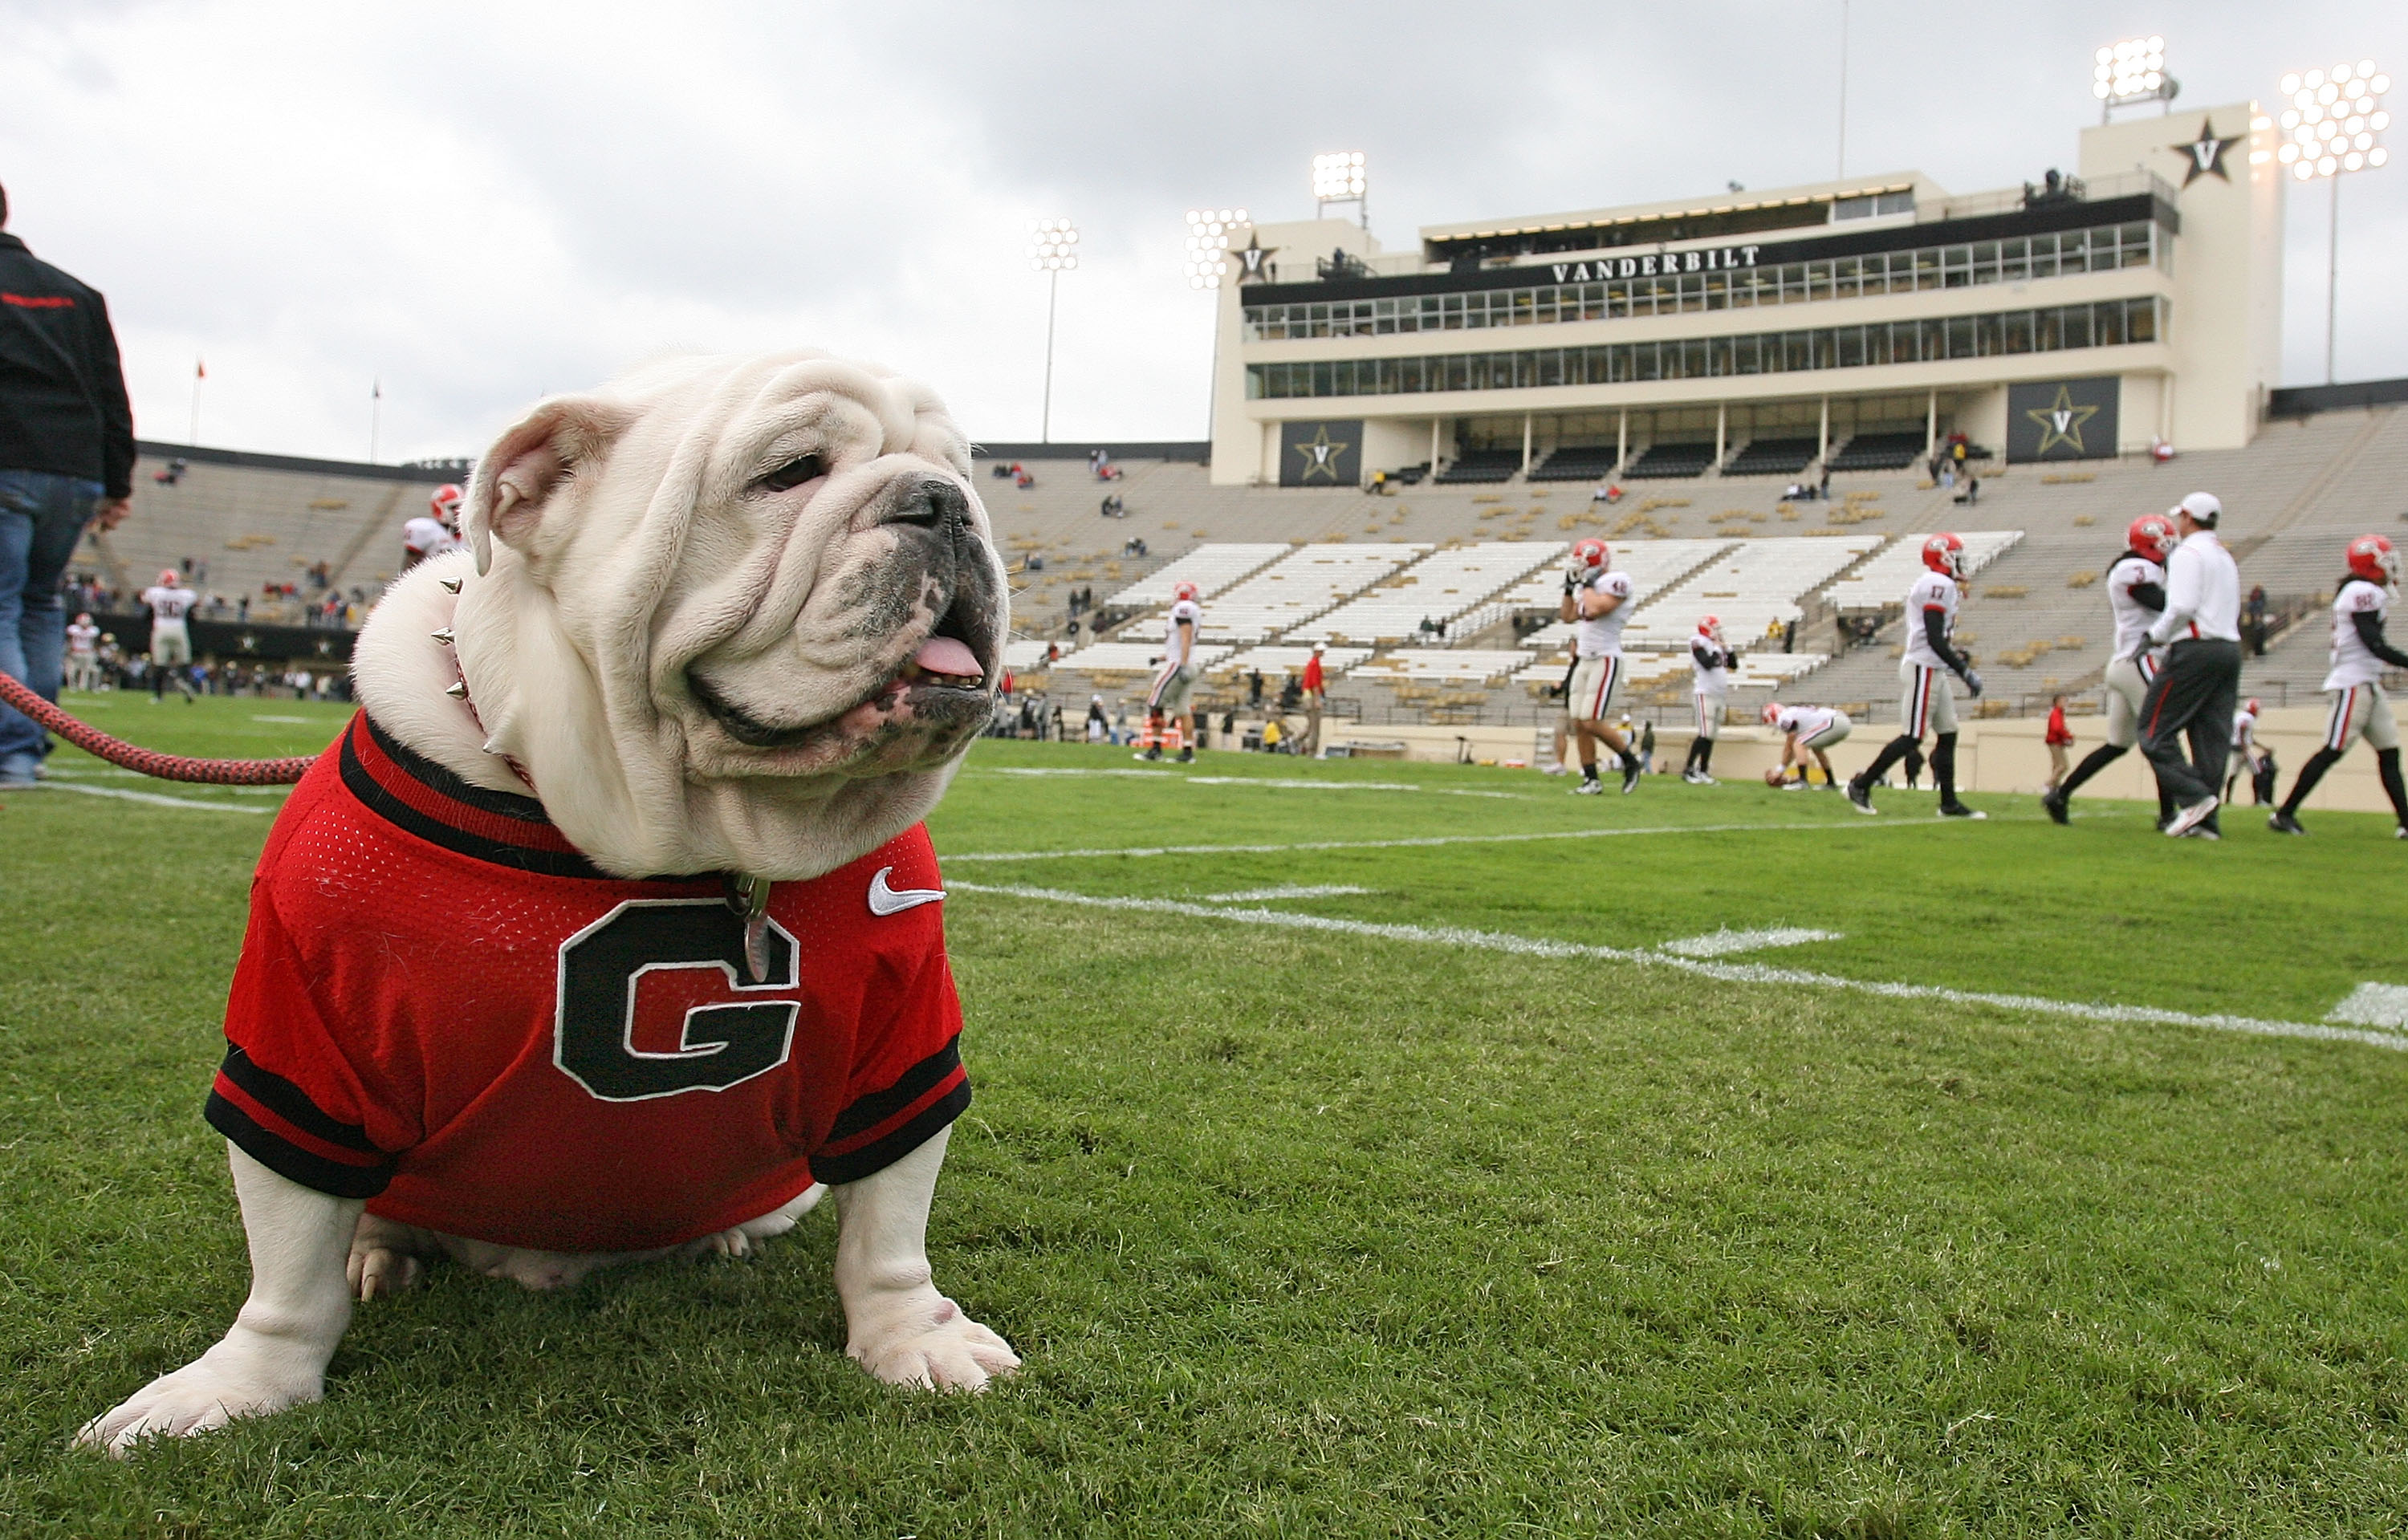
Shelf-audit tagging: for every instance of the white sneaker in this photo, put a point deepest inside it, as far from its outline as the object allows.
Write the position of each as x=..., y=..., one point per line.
x=2188, y=818
x=1553, y=770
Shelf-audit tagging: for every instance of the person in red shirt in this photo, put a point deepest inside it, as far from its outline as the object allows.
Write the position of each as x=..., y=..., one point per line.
x=1315, y=692
x=2059, y=738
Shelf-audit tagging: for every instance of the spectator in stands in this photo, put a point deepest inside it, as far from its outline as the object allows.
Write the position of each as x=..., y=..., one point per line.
x=1971, y=492
x=1606, y=492
x=1113, y=508
x=67, y=460
x=1378, y=485
x=1020, y=478
x=2058, y=737
x=1254, y=688
x=173, y=472
x=1315, y=690
x=2254, y=611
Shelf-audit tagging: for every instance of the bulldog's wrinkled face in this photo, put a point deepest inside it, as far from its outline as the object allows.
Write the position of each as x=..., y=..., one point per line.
x=869, y=607
x=772, y=574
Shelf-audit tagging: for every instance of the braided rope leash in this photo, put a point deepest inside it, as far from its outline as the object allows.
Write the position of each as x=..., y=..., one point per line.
x=150, y=762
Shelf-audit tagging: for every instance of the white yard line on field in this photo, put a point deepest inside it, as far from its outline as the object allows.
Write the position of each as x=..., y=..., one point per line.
x=154, y=799
x=1724, y=942
x=1418, y=842
x=1287, y=783
x=1298, y=889
x=2373, y=1005
x=1731, y=973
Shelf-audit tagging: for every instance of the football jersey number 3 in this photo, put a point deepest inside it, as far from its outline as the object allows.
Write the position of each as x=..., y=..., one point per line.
x=607, y=1009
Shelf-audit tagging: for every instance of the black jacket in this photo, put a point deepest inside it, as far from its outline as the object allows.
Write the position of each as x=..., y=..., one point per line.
x=62, y=394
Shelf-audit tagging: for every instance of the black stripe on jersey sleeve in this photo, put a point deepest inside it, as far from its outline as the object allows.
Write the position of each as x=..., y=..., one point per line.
x=874, y=1108
x=291, y=1102
x=288, y=1160
x=870, y=1159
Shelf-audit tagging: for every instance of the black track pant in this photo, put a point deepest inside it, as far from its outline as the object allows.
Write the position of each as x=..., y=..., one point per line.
x=2193, y=696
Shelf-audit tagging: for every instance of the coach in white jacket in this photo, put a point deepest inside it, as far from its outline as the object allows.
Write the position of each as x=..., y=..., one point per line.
x=2196, y=691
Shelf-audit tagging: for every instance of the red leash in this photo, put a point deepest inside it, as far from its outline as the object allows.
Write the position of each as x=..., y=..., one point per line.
x=150, y=762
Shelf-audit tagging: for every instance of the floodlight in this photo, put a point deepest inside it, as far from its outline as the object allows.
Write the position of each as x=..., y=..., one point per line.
x=2334, y=120
x=1337, y=177
x=1053, y=246
x=1208, y=243
x=2133, y=70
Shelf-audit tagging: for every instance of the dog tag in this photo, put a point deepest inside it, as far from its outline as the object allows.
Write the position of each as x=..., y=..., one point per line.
x=749, y=896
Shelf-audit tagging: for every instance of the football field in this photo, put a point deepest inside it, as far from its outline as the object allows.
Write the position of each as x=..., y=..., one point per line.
x=1360, y=1148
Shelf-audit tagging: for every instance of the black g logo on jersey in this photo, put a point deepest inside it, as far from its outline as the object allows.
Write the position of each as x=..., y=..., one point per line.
x=651, y=1005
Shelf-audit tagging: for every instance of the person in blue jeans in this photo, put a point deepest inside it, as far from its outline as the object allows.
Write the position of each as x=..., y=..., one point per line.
x=67, y=460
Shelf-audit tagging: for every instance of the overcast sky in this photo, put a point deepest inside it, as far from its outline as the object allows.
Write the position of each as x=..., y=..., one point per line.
x=478, y=202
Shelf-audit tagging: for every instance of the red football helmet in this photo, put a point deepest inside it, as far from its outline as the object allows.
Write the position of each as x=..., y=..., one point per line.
x=2371, y=557
x=2251, y=707
x=1771, y=712
x=1710, y=627
x=1591, y=555
x=168, y=577
x=2152, y=535
x=1183, y=593
x=444, y=503
x=1945, y=555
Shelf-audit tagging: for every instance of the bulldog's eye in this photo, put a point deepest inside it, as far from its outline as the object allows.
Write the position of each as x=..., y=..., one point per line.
x=792, y=474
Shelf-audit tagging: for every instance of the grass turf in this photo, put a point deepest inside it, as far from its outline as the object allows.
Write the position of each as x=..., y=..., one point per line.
x=1312, y=1232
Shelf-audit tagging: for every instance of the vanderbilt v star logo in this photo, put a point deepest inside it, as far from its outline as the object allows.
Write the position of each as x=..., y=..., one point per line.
x=2203, y=154
x=1321, y=455
x=884, y=900
x=1253, y=260
x=2060, y=421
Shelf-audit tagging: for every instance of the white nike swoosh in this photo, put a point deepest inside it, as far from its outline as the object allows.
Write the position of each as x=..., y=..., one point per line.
x=884, y=900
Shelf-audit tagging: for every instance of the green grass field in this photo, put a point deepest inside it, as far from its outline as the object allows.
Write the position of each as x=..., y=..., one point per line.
x=1437, y=1199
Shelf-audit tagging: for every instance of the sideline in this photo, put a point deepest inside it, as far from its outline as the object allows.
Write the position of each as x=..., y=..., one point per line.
x=1424, y=841
x=153, y=798
x=1730, y=972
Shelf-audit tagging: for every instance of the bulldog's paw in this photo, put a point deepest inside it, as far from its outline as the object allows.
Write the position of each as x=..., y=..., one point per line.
x=385, y=1258
x=929, y=1342
x=213, y=1389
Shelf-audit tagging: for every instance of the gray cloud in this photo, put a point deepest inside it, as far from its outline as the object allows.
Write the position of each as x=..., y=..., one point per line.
x=478, y=202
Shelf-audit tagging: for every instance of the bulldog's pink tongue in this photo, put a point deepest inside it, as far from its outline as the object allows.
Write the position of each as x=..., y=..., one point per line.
x=944, y=655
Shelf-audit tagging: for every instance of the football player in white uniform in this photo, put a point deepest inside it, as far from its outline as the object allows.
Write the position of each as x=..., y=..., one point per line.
x=1710, y=664
x=1929, y=706
x=1805, y=729
x=1597, y=601
x=1176, y=681
x=2136, y=596
x=84, y=653
x=2361, y=652
x=2246, y=754
x=434, y=531
x=171, y=641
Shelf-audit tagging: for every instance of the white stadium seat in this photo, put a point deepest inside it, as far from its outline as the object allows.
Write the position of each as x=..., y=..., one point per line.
x=1440, y=587
x=1886, y=578
x=1212, y=568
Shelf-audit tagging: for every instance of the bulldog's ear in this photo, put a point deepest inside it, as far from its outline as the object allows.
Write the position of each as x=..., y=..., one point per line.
x=518, y=478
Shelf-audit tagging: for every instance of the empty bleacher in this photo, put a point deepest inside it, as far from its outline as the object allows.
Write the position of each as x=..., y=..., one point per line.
x=1335, y=660
x=1883, y=581
x=1212, y=568
x=1481, y=467
x=1308, y=581
x=1135, y=657
x=1443, y=665
x=1670, y=461
x=1439, y=587
x=1751, y=587
x=1771, y=457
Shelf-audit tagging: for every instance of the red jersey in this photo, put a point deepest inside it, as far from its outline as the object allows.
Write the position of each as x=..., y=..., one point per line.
x=443, y=1008
x=1312, y=674
x=2057, y=732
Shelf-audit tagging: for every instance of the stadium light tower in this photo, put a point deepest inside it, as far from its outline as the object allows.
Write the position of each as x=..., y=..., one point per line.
x=2333, y=125
x=1207, y=245
x=1337, y=177
x=1053, y=250
x=2131, y=72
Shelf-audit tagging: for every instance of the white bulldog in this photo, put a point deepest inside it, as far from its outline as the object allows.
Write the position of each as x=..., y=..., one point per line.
x=609, y=923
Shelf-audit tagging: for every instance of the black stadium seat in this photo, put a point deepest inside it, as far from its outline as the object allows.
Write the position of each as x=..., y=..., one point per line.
x=1669, y=462
x=1586, y=463
x=1771, y=457
x=1475, y=466
x=1881, y=451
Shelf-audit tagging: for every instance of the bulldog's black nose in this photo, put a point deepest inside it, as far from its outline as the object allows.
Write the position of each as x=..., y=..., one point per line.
x=932, y=504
